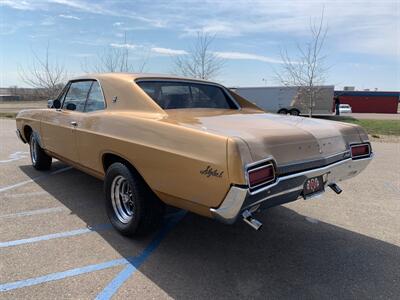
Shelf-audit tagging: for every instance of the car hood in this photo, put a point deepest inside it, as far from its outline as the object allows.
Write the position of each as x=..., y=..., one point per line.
x=287, y=138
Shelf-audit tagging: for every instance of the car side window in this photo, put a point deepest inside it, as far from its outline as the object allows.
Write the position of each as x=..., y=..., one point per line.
x=95, y=99
x=76, y=96
x=63, y=92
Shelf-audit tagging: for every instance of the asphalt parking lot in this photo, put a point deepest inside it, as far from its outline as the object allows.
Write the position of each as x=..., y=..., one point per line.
x=56, y=241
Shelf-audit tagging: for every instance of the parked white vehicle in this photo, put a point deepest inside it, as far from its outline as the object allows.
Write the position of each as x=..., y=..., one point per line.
x=288, y=99
x=345, y=109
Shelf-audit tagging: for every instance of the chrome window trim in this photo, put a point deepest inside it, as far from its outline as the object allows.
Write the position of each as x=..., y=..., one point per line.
x=102, y=94
x=226, y=91
x=68, y=85
x=63, y=93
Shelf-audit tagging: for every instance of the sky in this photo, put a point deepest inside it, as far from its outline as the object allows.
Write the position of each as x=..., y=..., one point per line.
x=362, y=46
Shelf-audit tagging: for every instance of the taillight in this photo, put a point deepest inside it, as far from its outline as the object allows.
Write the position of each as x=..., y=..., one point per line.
x=261, y=175
x=361, y=150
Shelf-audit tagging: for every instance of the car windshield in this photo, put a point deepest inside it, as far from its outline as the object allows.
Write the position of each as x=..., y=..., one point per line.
x=178, y=94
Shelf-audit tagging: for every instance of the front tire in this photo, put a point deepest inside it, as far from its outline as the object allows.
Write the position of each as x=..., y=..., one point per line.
x=40, y=160
x=133, y=209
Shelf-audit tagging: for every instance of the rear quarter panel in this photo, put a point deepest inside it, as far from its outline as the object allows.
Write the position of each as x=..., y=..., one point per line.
x=169, y=157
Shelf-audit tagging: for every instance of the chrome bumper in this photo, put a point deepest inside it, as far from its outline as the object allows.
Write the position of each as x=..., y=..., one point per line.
x=284, y=189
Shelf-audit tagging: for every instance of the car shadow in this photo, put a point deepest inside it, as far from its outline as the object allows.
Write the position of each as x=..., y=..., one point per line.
x=289, y=257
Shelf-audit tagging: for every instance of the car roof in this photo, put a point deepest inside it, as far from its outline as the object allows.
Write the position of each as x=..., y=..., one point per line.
x=130, y=96
x=134, y=76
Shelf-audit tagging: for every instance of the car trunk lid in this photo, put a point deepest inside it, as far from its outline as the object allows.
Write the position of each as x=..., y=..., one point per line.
x=288, y=139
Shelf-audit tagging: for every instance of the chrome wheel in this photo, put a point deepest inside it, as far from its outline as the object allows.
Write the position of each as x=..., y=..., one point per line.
x=33, y=149
x=122, y=199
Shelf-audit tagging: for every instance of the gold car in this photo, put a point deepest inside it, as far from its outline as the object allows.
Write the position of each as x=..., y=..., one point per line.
x=188, y=143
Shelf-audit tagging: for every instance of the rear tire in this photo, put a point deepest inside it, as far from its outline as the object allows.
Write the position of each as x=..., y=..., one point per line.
x=283, y=111
x=133, y=209
x=40, y=160
x=294, y=112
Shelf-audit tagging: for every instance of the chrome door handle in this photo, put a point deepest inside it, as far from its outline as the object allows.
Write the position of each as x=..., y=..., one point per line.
x=74, y=123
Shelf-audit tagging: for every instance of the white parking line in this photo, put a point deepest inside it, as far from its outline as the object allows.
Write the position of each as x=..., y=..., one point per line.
x=10, y=187
x=23, y=195
x=57, y=235
x=34, y=212
x=15, y=156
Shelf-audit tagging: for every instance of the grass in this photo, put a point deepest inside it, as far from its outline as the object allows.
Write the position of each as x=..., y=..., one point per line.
x=8, y=115
x=373, y=127
x=9, y=109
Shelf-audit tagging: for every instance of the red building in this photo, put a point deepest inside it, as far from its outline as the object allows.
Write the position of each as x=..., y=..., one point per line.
x=370, y=102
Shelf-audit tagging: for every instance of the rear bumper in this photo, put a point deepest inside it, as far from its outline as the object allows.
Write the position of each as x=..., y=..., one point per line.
x=284, y=189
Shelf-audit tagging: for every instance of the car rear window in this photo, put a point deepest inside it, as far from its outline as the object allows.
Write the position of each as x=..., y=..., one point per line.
x=175, y=95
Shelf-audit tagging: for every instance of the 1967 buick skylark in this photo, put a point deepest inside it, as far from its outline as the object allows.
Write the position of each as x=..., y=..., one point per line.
x=191, y=144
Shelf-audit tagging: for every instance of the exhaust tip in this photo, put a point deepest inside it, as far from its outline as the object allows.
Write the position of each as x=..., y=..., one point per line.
x=335, y=188
x=250, y=220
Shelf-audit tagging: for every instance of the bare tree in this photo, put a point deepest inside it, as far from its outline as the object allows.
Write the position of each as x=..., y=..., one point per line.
x=307, y=70
x=200, y=62
x=46, y=76
x=115, y=59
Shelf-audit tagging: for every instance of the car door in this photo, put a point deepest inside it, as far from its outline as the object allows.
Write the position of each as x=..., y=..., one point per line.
x=59, y=125
x=88, y=131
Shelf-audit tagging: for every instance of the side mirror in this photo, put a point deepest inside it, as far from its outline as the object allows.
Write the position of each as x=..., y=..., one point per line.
x=71, y=106
x=54, y=104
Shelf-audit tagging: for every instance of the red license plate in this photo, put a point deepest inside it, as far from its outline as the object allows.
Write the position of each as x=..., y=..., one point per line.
x=313, y=186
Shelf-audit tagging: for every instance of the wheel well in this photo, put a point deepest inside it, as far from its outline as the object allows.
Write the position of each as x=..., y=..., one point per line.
x=27, y=133
x=109, y=159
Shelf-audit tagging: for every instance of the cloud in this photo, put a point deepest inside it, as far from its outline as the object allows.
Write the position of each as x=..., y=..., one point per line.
x=16, y=4
x=247, y=56
x=168, y=51
x=11, y=28
x=127, y=46
x=114, y=9
x=69, y=17
x=367, y=26
x=219, y=28
x=370, y=27
x=110, y=9
x=48, y=22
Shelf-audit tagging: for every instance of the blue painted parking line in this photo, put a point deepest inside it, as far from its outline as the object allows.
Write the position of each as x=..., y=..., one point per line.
x=55, y=235
x=135, y=263
x=13, y=186
x=171, y=221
